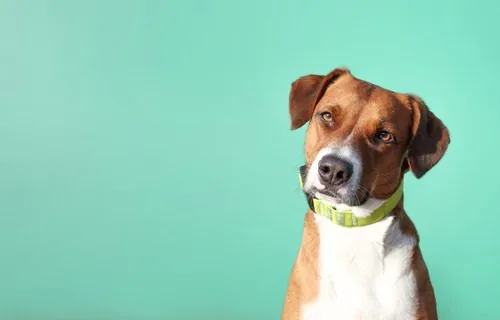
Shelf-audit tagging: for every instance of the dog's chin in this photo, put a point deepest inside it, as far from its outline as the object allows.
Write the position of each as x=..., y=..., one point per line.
x=351, y=199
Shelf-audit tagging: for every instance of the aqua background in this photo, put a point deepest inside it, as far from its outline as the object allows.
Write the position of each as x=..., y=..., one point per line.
x=147, y=169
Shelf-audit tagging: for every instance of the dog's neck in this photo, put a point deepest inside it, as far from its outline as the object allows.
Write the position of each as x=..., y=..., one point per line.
x=355, y=266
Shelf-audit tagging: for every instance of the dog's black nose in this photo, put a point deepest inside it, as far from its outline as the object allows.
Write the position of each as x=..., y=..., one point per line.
x=334, y=171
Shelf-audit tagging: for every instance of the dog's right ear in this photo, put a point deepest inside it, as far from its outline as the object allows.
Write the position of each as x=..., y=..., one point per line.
x=305, y=94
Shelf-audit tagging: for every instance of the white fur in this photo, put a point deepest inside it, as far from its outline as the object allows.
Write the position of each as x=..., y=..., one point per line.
x=365, y=271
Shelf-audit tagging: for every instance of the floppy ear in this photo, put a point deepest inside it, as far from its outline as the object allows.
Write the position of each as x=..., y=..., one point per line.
x=430, y=138
x=305, y=94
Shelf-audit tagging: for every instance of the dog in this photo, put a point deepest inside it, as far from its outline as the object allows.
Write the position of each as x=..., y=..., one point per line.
x=359, y=257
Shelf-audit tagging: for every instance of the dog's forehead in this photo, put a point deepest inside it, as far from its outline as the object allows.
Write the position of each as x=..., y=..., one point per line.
x=359, y=96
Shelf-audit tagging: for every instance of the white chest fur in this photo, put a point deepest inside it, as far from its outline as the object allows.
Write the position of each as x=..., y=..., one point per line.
x=365, y=273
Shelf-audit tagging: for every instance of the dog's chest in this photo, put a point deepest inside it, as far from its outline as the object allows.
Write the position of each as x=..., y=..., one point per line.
x=365, y=273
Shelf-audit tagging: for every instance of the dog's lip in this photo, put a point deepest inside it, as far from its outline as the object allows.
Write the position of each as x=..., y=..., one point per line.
x=326, y=192
x=361, y=200
x=358, y=200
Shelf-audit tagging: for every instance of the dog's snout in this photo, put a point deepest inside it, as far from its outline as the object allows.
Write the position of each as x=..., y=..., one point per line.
x=334, y=171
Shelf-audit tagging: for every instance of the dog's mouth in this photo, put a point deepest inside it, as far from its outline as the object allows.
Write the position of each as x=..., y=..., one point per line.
x=352, y=199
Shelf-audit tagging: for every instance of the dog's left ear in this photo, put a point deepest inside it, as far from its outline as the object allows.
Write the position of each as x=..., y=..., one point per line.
x=430, y=138
x=305, y=94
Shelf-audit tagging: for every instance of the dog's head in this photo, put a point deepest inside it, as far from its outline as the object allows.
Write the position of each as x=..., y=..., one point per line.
x=362, y=138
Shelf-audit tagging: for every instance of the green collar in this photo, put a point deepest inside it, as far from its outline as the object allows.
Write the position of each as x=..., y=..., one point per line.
x=347, y=218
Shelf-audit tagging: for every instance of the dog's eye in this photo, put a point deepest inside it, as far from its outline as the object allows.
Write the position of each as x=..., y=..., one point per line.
x=326, y=116
x=385, y=137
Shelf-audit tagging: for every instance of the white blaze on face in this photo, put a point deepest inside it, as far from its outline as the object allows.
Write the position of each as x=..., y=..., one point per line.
x=313, y=184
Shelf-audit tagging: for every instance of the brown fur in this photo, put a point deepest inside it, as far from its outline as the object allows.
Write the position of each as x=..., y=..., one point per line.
x=303, y=285
x=360, y=110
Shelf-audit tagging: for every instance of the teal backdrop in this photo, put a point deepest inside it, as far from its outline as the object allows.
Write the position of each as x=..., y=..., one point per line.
x=147, y=169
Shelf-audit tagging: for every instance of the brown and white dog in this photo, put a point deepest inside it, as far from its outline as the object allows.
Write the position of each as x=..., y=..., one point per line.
x=360, y=142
